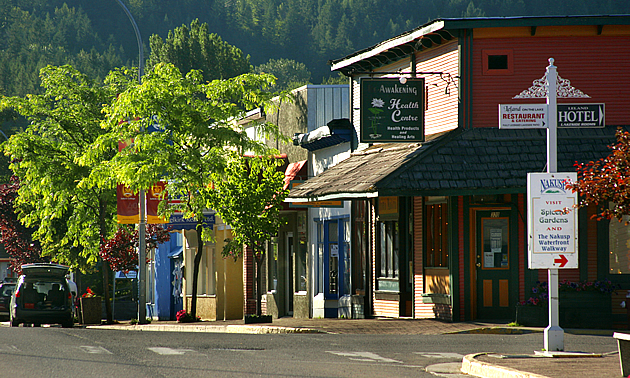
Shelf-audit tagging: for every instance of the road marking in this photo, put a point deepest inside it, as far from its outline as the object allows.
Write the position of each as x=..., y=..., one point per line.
x=364, y=356
x=440, y=355
x=94, y=349
x=8, y=349
x=169, y=351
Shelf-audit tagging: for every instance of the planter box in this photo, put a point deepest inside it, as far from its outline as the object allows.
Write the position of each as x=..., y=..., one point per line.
x=585, y=309
x=532, y=316
x=577, y=309
x=253, y=319
x=90, y=310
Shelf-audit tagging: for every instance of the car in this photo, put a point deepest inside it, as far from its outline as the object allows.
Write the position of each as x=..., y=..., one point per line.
x=6, y=289
x=42, y=296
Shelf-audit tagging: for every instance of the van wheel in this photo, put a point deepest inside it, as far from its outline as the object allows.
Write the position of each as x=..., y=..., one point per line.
x=67, y=324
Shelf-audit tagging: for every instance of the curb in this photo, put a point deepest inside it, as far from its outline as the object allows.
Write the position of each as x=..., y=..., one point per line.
x=233, y=328
x=471, y=366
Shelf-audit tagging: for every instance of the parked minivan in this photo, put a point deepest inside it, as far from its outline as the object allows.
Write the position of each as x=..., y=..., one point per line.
x=42, y=296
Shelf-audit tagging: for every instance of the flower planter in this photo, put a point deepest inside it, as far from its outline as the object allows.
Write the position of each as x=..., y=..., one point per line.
x=91, y=310
x=253, y=319
x=532, y=316
x=577, y=309
x=585, y=309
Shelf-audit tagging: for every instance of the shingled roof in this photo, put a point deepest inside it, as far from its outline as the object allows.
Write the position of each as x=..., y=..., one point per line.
x=478, y=160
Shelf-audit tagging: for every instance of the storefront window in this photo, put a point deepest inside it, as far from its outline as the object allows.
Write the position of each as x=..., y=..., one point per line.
x=436, y=234
x=389, y=236
x=619, y=243
x=319, y=263
x=273, y=265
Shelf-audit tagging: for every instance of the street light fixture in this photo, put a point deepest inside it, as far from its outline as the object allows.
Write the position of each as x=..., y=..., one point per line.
x=142, y=268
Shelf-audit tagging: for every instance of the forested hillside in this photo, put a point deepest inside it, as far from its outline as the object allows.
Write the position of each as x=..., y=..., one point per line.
x=95, y=35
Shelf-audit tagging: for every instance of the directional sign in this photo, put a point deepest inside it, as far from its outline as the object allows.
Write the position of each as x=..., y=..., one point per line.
x=581, y=115
x=523, y=116
x=562, y=261
x=552, y=221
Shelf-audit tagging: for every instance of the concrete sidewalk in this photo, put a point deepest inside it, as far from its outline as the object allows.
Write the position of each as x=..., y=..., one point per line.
x=480, y=364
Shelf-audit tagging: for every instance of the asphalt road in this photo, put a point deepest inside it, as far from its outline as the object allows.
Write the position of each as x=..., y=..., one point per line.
x=59, y=352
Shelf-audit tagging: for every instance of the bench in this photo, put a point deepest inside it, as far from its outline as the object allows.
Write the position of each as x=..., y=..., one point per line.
x=623, y=345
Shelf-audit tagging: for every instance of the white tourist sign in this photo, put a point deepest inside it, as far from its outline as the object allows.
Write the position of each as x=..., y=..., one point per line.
x=523, y=116
x=552, y=221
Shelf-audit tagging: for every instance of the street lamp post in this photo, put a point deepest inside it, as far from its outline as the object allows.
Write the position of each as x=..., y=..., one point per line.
x=142, y=268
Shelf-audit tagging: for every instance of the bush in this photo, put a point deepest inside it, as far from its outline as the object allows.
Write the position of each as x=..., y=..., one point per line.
x=183, y=317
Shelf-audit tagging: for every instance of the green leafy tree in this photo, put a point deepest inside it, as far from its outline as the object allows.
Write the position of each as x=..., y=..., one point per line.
x=71, y=218
x=289, y=73
x=607, y=181
x=198, y=129
x=195, y=48
x=248, y=196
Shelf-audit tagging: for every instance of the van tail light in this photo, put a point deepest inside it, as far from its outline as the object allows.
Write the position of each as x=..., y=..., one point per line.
x=17, y=294
x=69, y=295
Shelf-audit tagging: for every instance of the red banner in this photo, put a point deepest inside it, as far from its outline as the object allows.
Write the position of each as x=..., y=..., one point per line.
x=154, y=196
x=128, y=211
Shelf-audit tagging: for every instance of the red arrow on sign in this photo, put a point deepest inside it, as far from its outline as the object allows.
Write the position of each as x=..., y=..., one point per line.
x=562, y=261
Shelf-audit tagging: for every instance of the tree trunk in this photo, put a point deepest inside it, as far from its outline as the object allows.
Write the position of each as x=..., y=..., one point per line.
x=193, y=304
x=258, y=282
x=105, y=265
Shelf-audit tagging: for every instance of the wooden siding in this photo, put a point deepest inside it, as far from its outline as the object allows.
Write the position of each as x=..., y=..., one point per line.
x=441, y=113
x=596, y=65
x=390, y=309
x=421, y=310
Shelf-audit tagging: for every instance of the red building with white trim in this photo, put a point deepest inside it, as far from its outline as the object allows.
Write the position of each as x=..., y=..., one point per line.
x=443, y=220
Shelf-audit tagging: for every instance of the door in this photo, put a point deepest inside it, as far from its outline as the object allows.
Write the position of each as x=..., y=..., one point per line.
x=331, y=259
x=288, y=276
x=496, y=265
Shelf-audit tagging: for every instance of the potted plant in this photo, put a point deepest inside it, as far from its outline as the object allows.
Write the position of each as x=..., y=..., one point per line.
x=574, y=299
x=90, y=308
x=534, y=312
x=183, y=316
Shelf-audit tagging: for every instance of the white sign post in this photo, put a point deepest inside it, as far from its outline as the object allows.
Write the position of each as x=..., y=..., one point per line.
x=551, y=86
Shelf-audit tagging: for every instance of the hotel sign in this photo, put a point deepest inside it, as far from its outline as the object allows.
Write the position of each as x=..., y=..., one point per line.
x=392, y=110
x=581, y=115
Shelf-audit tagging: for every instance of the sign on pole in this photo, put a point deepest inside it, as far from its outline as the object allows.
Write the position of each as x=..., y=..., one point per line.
x=552, y=224
x=392, y=110
x=548, y=200
x=524, y=116
x=581, y=115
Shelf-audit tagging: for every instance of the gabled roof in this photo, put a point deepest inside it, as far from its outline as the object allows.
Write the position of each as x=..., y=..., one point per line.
x=478, y=160
x=442, y=30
